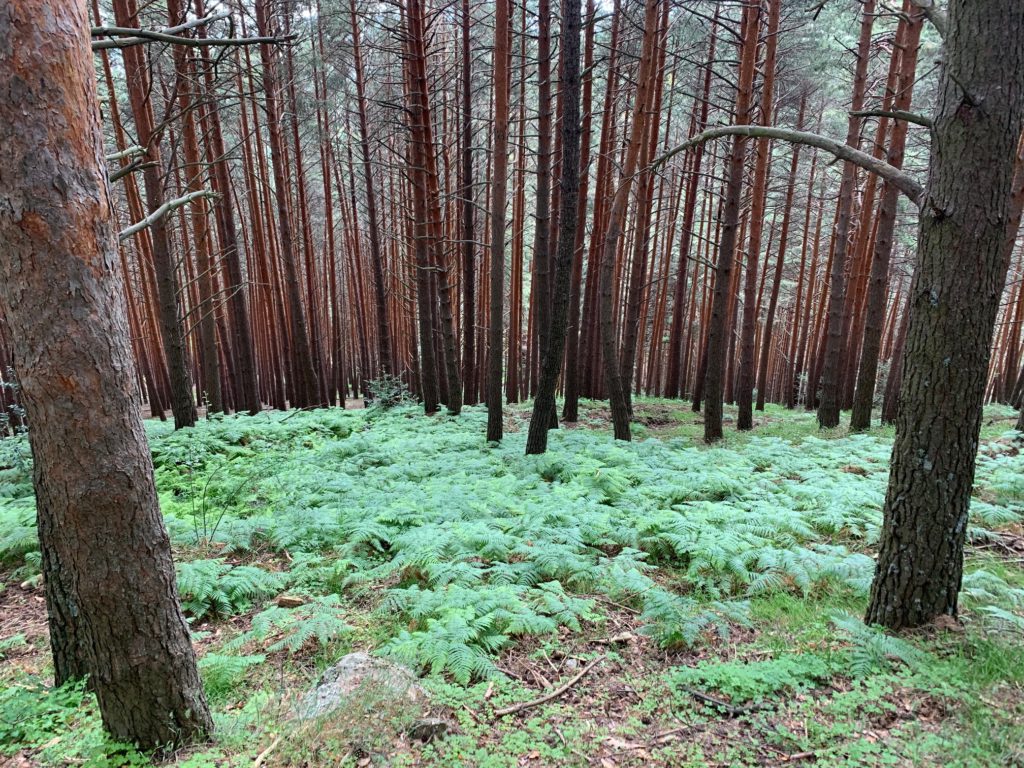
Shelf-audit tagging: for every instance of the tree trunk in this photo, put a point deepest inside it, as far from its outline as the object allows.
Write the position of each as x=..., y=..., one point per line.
x=502, y=37
x=878, y=279
x=171, y=330
x=616, y=216
x=745, y=388
x=305, y=390
x=551, y=362
x=469, y=369
x=831, y=367
x=718, y=325
x=376, y=254
x=957, y=286
x=107, y=569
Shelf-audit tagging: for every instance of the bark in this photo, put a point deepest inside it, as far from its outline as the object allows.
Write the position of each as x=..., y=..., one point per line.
x=305, y=390
x=570, y=409
x=745, y=385
x=569, y=189
x=540, y=292
x=832, y=363
x=376, y=254
x=675, y=378
x=502, y=35
x=878, y=279
x=616, y=216
x=958, y=282
x=469, y=368
x=111, y=597
x=171, y=328
x=242, y=347
x=773, y=299
x=718, y=336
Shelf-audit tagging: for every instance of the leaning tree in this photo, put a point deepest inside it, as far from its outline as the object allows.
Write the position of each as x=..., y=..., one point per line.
x=106, y=557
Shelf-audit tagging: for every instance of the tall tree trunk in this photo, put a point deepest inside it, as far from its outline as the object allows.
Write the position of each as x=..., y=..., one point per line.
x=616, y=216
x=957, y=286
x=171, y=329
x=499, y=186
x=832, y=362
x=718, y=336
x=773, y=299
x=878, y=279
x=376, y=254
x=745, y=388
x=569, y=189
x=106, y=557
x=469, y=368
x=305, y=386
x=570, y=409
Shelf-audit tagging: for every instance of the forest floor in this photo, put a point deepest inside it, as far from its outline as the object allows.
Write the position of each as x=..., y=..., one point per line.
x=713, y=596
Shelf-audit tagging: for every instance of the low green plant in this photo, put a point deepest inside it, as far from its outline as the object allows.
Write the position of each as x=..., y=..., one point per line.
x=215, y=588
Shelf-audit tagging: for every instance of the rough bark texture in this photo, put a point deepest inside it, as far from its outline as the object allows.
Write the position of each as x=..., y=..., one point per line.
x=551, y=362
x=110, y=586
x=959, y=278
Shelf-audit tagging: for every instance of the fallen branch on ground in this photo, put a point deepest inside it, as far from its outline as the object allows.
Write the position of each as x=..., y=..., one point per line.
x=553, y=694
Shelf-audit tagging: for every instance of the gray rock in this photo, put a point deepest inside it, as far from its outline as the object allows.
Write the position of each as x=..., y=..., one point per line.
x=360, y=676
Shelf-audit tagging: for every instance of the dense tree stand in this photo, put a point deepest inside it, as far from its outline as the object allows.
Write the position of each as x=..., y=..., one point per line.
x=960, y=273
x=109, y=580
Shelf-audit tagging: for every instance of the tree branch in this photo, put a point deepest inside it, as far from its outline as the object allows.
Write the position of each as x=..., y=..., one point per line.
x=895, y=114
x=135, y=149
x=933, y=14
x=125, y=37
x=162, y=211
x=902, y=181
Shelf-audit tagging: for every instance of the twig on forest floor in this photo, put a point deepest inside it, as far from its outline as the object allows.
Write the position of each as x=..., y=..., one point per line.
x=553, y=694
x=730, y=709
x=266, y=753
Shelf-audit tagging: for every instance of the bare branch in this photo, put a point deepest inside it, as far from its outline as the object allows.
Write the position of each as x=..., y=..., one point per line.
x=162, y=211
x=125, y=37
x=896, y=114
x=902, y=181
x=933, y=14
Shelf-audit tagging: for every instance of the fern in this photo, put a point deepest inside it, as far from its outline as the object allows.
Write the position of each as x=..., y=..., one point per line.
x=291, y=629
x=871, y=649
x=222, y=673
x=744, y=681
x=212, y=587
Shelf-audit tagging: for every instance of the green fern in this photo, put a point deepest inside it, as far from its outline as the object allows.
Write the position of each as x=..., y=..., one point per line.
x=212, y=587
x=871, y=649
x=291, y=629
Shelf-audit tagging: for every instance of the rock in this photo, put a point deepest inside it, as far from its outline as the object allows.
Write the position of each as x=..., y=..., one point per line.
x=290, y=601
x=360, y=675
x=427, y=729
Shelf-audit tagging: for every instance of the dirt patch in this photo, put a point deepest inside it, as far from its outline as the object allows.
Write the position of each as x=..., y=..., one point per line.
x=23, y=613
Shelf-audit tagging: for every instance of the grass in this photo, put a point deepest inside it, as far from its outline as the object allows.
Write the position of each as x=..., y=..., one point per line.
x=731, y=574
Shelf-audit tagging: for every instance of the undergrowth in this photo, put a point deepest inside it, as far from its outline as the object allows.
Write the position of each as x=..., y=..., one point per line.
x=414, y=537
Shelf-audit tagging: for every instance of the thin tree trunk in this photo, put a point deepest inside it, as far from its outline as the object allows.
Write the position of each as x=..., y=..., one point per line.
x=502, y=38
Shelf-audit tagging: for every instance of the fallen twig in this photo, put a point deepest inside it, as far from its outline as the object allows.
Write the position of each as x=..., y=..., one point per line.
x=730, y=709
x=553, y=694
x=265, y=753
